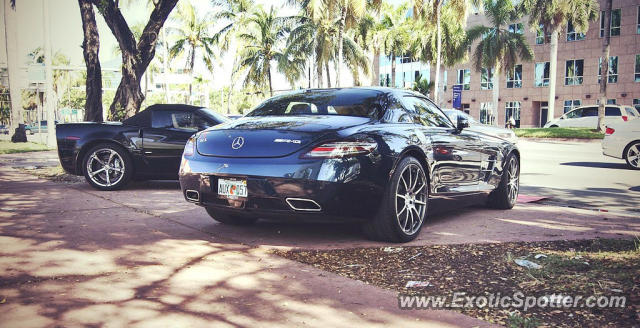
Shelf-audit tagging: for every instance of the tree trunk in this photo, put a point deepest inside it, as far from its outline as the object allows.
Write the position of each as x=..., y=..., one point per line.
x=13, y=65
x=135, y=57
x=436, y=83
x=393, y=70
x=319, y=73
x=553, y=66
x=326, y=66
x=165, y=64
x=341, y=25
x=376, y=66
x=191, y=64
x=604, y=67
x=269, y=75
x=496, y=92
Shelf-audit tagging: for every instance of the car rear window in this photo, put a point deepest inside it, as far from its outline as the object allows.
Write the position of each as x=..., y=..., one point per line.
x=612, y=111
x=345, y=102
x=630, y=111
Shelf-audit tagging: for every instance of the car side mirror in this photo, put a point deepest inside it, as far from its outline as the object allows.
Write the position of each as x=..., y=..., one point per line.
x=562, y=117
x=462, y=123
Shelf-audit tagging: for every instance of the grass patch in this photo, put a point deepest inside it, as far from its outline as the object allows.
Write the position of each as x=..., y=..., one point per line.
x=56, y=174
x=573, y=133
x=8, y=147
x=599, y=267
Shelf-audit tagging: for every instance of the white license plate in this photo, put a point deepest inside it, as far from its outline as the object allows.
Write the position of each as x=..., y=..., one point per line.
x=232, y=188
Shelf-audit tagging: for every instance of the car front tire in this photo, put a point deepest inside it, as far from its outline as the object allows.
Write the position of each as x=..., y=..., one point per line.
x=107, y=167
x=506, y=195
x=230, y=219
x=632, y=155
x=404, y=206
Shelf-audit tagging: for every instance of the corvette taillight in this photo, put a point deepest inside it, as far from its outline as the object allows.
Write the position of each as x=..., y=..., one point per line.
x=624, y=118
x=339, y=149
x=609, y=131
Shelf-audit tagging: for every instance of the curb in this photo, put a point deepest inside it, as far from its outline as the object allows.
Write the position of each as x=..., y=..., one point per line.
x=585, y=140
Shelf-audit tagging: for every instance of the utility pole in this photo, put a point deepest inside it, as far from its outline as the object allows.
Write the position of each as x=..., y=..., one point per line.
x=48, y=80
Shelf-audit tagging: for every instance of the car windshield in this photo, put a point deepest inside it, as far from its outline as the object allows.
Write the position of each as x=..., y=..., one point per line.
x=214, y=115
x=342, y=102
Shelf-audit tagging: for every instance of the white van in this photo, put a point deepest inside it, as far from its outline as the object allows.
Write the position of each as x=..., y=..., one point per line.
x=587, y=116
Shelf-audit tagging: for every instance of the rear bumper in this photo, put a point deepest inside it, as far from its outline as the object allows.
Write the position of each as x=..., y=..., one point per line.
x=339, y=187
x=613, y=146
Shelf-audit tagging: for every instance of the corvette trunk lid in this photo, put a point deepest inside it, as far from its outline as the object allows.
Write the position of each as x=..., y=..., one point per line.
x=270, y=136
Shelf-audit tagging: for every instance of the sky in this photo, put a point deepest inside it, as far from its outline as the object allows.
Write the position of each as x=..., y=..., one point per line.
x=67, y=36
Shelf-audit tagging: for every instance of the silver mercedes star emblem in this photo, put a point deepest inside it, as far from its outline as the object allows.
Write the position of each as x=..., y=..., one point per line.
x=237, y=143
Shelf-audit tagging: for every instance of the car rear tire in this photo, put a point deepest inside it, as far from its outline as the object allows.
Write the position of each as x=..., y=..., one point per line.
x=107, y=166
x=404, y=206
x=230, y=219
x=553, y=126
x=632, y=155
x=506, y=195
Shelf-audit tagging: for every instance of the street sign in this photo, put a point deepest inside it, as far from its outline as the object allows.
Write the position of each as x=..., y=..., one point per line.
x=457, y=96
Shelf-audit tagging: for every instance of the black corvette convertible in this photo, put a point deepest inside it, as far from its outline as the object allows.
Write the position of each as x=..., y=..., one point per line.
x=372, y=154
x=148, y=145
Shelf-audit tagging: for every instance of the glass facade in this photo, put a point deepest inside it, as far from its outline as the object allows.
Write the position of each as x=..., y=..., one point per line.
x=574, y=70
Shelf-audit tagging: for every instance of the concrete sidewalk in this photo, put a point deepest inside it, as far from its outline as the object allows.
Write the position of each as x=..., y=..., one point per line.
x=74, y=256
x=70, y=256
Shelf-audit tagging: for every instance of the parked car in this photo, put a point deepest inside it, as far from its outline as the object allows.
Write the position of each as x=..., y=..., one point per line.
x=148, y=145
x=234, y=117
x=587, y=117
x=4, y=129
x=375, y=155
x=28, y=129
x=622, y=140
x=476, y=126
x=34, y=128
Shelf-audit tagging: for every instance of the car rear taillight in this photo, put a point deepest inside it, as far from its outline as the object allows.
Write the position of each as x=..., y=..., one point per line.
x=339, y=149
x=189, y=148
x=624, y=118
x=609, y=131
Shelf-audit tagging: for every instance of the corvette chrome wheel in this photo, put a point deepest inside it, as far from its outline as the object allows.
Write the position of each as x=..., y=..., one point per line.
x=105, y=167
x=411, y=198
x=633, y=155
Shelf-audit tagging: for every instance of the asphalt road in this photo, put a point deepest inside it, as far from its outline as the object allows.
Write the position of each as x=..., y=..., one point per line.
x=576, y=174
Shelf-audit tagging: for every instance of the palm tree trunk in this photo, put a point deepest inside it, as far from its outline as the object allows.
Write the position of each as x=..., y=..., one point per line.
x=393, y=70
x=343, y=17
x=165, y=64
x=269, y=75
x=326, y=66
x=436, y=83
x=604, y=67
x=376, y=66
x=13, y=64
x=319, y=74
x=191, y=65
x=553, y=65
x=48, y=62
x=496, y=92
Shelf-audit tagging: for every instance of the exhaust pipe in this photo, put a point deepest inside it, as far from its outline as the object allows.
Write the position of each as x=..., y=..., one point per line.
x=192, y=195
x=303, y=204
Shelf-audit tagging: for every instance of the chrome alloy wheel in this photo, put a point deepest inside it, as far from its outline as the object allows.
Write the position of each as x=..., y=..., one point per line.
x=513, y=184
x=411, y=198
x=105, y=167
x=633, y=155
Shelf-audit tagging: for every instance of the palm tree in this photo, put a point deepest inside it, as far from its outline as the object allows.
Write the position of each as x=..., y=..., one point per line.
x=422, y=85
x=431, y=12
x=498, y=48
x=452, y=39
x=554, y=15
x=394, y=35
x=13, y=61
x=264, y=43
x=193, y=34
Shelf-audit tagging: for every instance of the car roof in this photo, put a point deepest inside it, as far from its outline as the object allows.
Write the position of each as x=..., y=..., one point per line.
x=182, y=107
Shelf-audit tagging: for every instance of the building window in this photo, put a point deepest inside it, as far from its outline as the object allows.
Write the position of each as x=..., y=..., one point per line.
x=540, y=34
x=514, y=77
x=486, y=80
x=613, y=69
x=486, y=114
x=637, y=78
x=574, y=72
x=638, y=21
x=464, y=78
x=571, y=104
x=602, y=19
x=611, y=101
x=615, y=22
x=542, y=74
x=572, y=35
x=636, y=103
x=516, y=28
x=512, y=109
x=444, y=81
